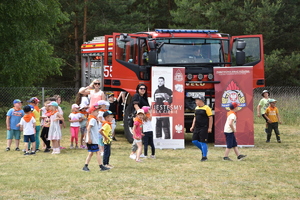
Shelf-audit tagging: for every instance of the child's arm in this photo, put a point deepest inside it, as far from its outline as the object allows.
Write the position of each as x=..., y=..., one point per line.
x=59, y=117
x=193, y=124
x=133, y=131
x=210, y=123
x=88, y=133
x=34, y=128
x=231, y=125
x=258, y=110
x=266, y=116
x=8, y=122
x=278, y=117
x=21, y=127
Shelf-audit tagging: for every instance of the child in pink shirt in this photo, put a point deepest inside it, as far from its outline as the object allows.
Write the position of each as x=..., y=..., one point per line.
x=137, y=132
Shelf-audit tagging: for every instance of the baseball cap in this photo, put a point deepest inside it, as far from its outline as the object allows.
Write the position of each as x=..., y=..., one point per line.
x=272, y=101
x=106, y=113
x=233, y=105
x=202, y=98
x=27, y=108
x=75, y=106
x=102, y=102
x=140, y=111
x=53, y=103
x=33, y=100
x=17, y=101
x=111, y=95
x=146, y=108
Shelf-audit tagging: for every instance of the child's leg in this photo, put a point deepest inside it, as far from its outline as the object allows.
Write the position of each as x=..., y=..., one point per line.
x=99, y=159
x=26, y=146
x=227, y=150
x=146, y=142
x=72, y=135
x=204, y=149
x=17, y=134
x=33, y=146
x=139, y=150
x=81, y=135
x=236, y=151
x=276, y=130
x=88, y=159
x=76, y=129
x=37, y=137
x=106, y=154
x=269, y=132
x=151, y=143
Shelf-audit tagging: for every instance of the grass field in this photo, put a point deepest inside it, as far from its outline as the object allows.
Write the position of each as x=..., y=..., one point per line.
x=271, y=171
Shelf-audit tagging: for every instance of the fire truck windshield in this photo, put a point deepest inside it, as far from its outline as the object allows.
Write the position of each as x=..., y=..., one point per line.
x=189, y=50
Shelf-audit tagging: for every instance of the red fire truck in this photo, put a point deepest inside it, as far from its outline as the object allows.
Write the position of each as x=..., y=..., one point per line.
x=123, y=60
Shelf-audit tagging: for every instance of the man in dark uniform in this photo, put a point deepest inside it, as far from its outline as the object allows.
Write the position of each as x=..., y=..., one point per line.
x=201, y=126
x=163, y=98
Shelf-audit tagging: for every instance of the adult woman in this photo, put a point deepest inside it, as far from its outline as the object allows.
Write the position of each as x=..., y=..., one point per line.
x=96, y=94
x=140, y=98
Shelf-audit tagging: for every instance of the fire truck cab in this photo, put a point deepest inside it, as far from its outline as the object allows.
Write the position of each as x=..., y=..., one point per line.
x=125, y=60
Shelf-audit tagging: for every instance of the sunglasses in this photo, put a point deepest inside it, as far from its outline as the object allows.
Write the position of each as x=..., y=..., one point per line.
x=96, y=83
x=142, y=88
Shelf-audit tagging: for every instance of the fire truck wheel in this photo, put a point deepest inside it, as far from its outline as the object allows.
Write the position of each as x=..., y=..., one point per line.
x=127, y=128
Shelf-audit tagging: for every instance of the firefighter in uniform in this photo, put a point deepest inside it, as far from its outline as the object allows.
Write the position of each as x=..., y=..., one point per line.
x=163, y=98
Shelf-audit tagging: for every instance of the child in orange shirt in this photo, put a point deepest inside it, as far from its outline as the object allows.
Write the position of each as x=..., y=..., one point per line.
x=272, y=115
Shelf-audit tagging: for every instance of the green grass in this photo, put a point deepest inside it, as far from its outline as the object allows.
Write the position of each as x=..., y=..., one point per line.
x=271, y=171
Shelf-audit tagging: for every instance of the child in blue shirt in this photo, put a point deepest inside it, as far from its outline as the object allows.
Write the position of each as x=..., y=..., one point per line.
x=13, y=118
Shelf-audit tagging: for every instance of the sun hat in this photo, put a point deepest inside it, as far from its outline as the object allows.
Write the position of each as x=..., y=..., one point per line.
x=33, y=100
x=146, y=108
x=140, y=111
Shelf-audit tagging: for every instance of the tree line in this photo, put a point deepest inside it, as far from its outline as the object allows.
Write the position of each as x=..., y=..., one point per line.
x=41, y=39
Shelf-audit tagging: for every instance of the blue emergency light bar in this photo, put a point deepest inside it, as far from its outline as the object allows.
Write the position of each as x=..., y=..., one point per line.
x=185, y=31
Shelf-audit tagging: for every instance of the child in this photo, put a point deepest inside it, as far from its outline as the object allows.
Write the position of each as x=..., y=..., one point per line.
x=106, y=132
x=27, y=125
x=57, y=99
x=229, y=130
x=74, y=119
x=137, y=132
x=13, y=117
x=92, y=139
x=84, y=117
x=148, y=132
x=272, y=116
x=113, y=103
x=102, y=104
x=37, y=115
x=46, y=113
x=263, y=105
x=54, y=130
x=201, y=126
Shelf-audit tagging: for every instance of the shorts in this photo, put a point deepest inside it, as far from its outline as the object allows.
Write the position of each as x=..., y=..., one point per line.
x=29, y=137
x=92, y=147
x=13, y=134
x=200, y=134
x=134, y=146
x=83, y=130
x=101, y=142
x=230, y=140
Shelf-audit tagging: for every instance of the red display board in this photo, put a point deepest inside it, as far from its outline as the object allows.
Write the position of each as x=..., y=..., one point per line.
x=235, y=86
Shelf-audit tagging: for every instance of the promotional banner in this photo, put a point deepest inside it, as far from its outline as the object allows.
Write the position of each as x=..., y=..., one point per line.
x=236, y=85
x=167, y=91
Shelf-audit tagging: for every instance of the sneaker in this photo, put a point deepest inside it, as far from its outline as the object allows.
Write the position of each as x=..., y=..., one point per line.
x=82, y=146
x=203, y=159
x=132, y=156
x=62, y=147
x=7, y=149
x=47, y=151
x=103, y=168
x=37, y=150
x=24, y=150
x=153, y=157
x=279, y=141
x=71, y=147
x=76, y=147
x=26, y=154
x=143, y=156
x=226, y=159
x=86, y=169
x=17, y=149
x=267, y=141
x=241, y=157
x=32, y=153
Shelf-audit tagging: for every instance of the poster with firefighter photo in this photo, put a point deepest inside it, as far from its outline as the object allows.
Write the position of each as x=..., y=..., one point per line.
x=167, y=91
x=236, y=85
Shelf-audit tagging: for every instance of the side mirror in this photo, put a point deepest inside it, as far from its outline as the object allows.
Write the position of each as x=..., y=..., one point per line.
x=152, y=53
x=240, y=54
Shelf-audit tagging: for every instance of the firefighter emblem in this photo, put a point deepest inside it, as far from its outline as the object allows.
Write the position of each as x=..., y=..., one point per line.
x=233, y=94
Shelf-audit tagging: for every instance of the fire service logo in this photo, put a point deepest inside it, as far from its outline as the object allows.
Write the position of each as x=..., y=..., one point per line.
x=233, y=94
